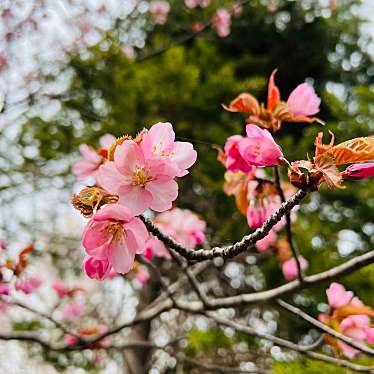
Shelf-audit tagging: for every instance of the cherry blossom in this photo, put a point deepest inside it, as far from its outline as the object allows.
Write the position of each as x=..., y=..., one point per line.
x=221, y=22
x=72, y=310
x=289, y=267
x=28, y=285
x=95, y=268
x=92, y=159
x=159, y=10
x=4, y=289
x=338, y=296
x=113, y=235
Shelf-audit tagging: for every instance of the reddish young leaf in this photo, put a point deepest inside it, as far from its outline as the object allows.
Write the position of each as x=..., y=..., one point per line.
x=244, y=103
x=273, y=92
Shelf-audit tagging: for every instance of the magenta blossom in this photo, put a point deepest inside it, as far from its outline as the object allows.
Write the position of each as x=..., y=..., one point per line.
x=96, y=269
x=259, y=147
x=233, y=159
x=4, y=289
x=70, y=340
x=370, y=335
x=221, y=22
x=155, y=248
x=113, y=234
x=28, y=285
x=289, y=267
x=338, y=296
x=72, y=310
x=303, y=101
x=92, y=159
x=359, y=171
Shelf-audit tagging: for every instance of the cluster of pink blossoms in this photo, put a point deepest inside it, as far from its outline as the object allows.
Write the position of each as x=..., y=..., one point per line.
x=350, y=317
x=247, y=157
x=138, y=174
x=185, y=227
x=195, y=3
x=19, y=279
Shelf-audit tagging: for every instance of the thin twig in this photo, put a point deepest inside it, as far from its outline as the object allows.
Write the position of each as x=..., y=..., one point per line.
x=294, y=251
x=298, y=312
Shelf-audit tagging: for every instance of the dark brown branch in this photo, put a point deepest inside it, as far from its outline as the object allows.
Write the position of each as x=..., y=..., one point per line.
x=230, y=250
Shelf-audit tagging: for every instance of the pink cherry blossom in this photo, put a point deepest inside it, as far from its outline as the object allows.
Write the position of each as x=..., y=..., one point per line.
x=155, y=248
x=159, y=143
x=359, y=171
x=354, y=327
x=88, y=166
x=303, y=101
x=159, y=10
x=142, y=276
x=4, y=289
x=221, y=22
x=185, y=227
x=28, y=285
x=194, y=3
x=60, y=288
x=257, y=215
x=265, y=243
x=141, y=182
x=95, y=268
x=114, y=235
x=3, y=244
x=70, y=340
x=289, y=267
x=338, y=296
x=234, y=160
x=370, y=335
x=259, y=147
x=72, y=310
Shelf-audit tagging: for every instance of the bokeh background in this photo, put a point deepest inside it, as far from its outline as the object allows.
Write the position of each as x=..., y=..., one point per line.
x=71, y=71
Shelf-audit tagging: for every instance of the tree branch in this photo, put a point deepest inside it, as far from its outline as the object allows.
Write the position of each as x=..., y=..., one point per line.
x=298, y=312
x=230, y=250
x=303, y=349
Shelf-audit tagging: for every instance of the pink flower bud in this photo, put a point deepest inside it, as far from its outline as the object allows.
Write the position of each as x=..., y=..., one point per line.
x=259, y=147
x=4, y=289
x=289, y=267
x=359, y=171
x=96, y=269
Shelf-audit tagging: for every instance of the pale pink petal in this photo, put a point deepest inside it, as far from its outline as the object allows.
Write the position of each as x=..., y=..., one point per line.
x=109, y=178
x=159, y=140
x=128, y=157
x=184, y=156
x=95, y=238
x=303, y=101
x=121, y=256
x=140, y=232
x=116, y=212
x=137, y=199
x=107, y=140
x=163, y=194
